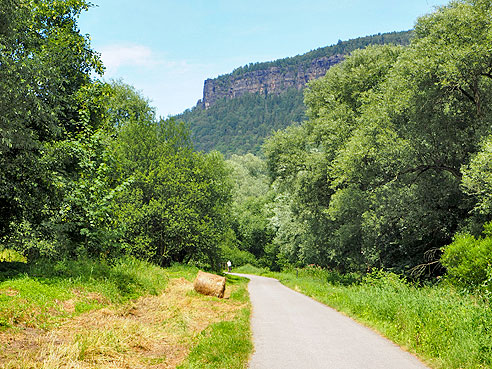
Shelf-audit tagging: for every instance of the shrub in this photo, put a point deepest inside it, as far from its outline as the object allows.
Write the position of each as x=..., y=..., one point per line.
x=468, y=261
x=238, y=257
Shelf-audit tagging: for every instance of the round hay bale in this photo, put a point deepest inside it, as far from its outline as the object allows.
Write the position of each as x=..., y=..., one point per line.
x=210, y=284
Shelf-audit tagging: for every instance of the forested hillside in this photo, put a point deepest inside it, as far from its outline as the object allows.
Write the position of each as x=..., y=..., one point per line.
x=240, y=109
x=341, y=48
x=239, y=126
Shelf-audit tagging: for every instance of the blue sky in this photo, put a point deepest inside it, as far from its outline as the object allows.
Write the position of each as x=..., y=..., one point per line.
x=167, y=48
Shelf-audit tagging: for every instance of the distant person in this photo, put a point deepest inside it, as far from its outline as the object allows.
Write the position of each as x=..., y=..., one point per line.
x=229, y=264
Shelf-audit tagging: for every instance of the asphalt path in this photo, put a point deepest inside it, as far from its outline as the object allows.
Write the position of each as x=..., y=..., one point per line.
x=291, y=330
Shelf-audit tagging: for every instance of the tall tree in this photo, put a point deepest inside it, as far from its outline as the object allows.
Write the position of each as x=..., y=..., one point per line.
x=303, y=160
x=375, y=175
x=44, y=62
x=176, y=205
x=251, y=208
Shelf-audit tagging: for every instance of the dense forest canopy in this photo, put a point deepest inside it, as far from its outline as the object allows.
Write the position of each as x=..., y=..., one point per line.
x=86, y=168
x=393, y=160
x=239, y=125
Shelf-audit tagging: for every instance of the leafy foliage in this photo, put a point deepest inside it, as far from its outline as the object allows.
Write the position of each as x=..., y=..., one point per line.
x=44, y=61
x=373, y=178
x=252, y=232
x=468, y=261
x=477, y=178
x=392, y=164
x=175, y=206
x=86, y=169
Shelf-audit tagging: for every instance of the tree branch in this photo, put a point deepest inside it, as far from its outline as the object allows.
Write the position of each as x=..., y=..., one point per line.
x=424, y=168
x=470, y=97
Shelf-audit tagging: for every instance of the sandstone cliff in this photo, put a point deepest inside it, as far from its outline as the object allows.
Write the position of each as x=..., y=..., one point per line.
x=276, y=77
x=272, y=80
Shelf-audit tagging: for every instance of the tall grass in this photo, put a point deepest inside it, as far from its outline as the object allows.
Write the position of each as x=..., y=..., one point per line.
x=445, y=327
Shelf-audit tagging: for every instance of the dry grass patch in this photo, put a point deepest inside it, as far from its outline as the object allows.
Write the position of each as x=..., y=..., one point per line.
x=151, y=332
x=9, y=292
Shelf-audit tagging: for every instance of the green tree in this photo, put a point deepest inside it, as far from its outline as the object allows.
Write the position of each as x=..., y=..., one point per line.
x=477, y=178
x=251, y=208
x=44, y=62
x=176, y=207
x=303, y=162
x=373, y=178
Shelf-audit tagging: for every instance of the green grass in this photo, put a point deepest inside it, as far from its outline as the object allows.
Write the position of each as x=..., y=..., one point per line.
x=250, y=269
x=445, y=327
x=44, y=294
x=225, y=344
x=179, y=270
x=36, y=295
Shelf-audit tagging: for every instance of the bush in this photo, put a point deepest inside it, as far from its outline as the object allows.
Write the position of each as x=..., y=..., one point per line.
x=468, y=261
x=9, y=256
x=238, y=257
x=328, y=275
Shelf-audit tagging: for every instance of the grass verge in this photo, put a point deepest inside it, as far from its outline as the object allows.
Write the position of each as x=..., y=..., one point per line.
x=42, y=294
x=443, y=326
x=226, y=344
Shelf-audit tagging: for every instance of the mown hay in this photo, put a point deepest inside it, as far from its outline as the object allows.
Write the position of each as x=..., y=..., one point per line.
x=210, y=284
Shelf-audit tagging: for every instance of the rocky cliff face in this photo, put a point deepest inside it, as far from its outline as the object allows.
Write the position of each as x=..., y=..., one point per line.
x=272, y=80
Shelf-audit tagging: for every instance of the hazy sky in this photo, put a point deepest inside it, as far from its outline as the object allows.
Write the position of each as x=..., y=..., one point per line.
x=167, y=48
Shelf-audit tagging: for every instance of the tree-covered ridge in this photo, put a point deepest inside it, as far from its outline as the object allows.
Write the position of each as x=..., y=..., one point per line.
x=239, y=126
x=340, y=48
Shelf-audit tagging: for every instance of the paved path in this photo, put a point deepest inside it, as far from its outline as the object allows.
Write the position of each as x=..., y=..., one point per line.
x=291, y=330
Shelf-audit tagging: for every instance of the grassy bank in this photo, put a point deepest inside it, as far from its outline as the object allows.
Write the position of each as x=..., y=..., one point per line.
x=128, y=314
x=443, y=326
x=39, y=295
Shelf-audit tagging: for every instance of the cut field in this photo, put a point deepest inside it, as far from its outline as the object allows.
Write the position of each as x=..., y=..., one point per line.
x=81, y=327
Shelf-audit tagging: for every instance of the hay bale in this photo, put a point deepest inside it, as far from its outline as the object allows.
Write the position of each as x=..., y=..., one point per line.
x=210, y=284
